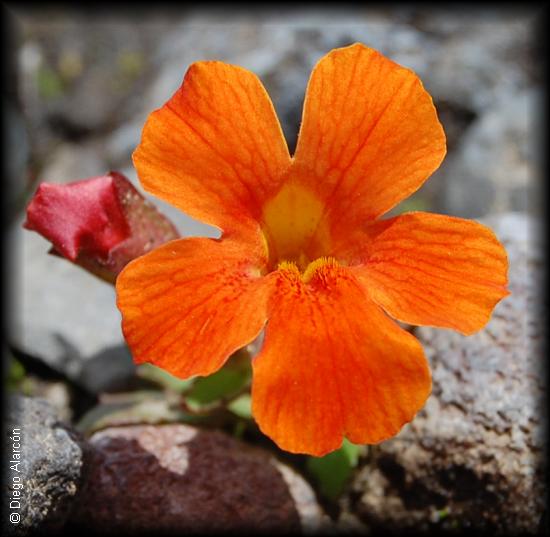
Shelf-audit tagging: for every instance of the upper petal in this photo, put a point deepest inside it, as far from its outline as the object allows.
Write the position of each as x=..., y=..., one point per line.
x=369, y=137
x=333, y=365
x=189, y=304
x=215, y=149
x=431, y=269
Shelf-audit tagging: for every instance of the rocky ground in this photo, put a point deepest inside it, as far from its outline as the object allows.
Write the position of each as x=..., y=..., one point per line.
x=81, y=89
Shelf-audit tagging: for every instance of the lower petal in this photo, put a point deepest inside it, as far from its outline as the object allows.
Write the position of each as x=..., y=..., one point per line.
x=431, y=269
x=188, y=305
x=333, y=365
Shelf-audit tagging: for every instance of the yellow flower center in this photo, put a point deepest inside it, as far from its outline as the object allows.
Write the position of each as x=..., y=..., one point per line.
x=294, y=228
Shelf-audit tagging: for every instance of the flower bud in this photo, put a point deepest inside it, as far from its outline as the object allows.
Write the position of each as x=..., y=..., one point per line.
x=100, y=223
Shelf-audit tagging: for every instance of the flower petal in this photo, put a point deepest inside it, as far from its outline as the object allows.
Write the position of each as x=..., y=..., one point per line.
x=333, y=365
x=215, y=149
x=369, y=137
x=189, y=304
x=431, y=269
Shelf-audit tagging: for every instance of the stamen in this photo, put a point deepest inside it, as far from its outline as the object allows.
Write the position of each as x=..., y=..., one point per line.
x=317, y=267
x=288, y=265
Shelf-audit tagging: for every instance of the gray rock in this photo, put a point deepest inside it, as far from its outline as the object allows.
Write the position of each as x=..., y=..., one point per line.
x=176, y=478
x=57, y=393
x=482, y=59
x=121, y=143
x=65, y=59
x=69, y=162
x=65, y=317
x=111, y=369
x=17, y=146
x=473, y=457
x=60, y=313
x=50, y=470
x=496, y=162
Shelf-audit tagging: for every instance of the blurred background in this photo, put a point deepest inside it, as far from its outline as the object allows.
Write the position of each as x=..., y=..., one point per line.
x=81, y=84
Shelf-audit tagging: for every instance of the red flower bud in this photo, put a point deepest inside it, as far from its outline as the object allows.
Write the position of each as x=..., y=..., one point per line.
x=100, y=223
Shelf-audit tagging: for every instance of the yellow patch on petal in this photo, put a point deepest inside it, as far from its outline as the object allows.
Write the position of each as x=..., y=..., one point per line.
x=293, y=226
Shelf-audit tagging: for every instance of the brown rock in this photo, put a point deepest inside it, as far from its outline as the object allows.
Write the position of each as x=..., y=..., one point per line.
x=175, y=479
x=473, y=457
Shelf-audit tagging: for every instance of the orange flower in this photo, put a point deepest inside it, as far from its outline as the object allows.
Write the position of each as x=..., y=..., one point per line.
x=303, y=249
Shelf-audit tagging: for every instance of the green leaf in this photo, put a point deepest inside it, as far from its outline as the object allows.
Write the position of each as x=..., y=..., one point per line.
x=333, y=471
x=351, y=451
x=163, y=378
x=16, y=374
x=414, y=203
x=222, y=384
x=49, y=83
x=242, y=406
x=442, y=513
